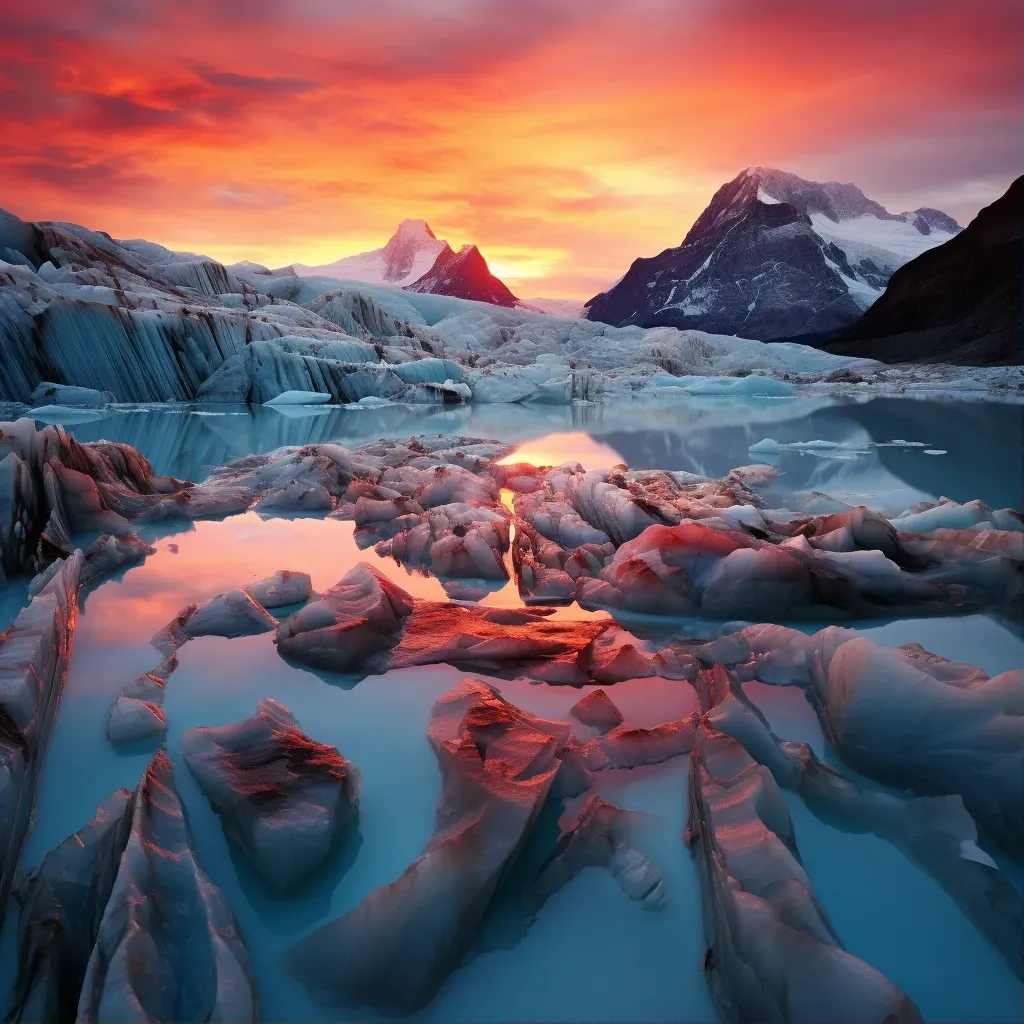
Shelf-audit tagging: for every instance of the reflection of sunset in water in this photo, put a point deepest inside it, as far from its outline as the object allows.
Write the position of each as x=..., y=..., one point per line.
x=217, y=556
x=554, y=449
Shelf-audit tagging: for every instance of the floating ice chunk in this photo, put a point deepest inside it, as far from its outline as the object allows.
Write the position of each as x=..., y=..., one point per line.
x=282, y=796
x=752, y=384
x=628, y=746
x=768, y=445
x=47, y=394
x=283, y=588
x=597, y=710
x=232, y=614
x=936, y=833
x=168, y=946
x=772, y=952
x=66, y=414
x=757, y=475
x=935, y=451
x=370, y=402
x=299, y=398
x=394, y=950
x=138, y=712
x=599, y=837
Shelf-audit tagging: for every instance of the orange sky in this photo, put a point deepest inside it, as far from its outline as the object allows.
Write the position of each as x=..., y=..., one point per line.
x=564, y=137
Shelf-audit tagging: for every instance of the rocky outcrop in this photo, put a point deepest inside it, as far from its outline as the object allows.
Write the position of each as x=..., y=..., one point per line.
x=465, y=275
x=34, y=656
x=168, y=946
x=395, y=949
x=772, y=952
x=773, y=257
x=283, y=798
x=958, y=303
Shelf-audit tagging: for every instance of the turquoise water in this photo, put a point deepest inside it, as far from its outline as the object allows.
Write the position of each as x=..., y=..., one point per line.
x=590, y=953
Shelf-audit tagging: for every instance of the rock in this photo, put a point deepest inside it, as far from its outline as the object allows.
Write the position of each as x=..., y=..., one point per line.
x=395, y=949
x=772, y=952
x=34, y=655
x=280, y=590
x=232, y=614
x=283, y=797
x=597, y=710
x=138, y=712
x=168, y=946
x=62, y=902
x=773, y=257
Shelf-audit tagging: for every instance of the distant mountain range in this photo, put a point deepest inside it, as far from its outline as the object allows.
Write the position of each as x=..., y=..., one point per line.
x=774, y=257
x=416, y=259
x=958, y=303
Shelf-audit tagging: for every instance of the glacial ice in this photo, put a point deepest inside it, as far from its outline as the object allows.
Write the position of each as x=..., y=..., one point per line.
x=901, y=715
x=772, y=952
x=168, y=946
x=299, y=398
x=138, y=712
x=283, y=797
x=62, y=902
x=394, y=950
x=599, y=836
x=147, y=325
x=34, y=656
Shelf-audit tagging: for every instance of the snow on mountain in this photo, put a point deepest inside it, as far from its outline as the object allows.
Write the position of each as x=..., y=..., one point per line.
x=465, y=275
x=958, y=303
x=774, y=256
x=569, y=309
x=410, y=252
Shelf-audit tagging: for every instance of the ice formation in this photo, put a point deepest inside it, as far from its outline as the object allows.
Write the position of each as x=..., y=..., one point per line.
x=282, y=796
x=599, y=836
x=34, y=656
x=901, y=715
x=772, y=952
x=394, y=950
x=62, y=902
x=138, y=713
x=168, y=946
x=145, y=324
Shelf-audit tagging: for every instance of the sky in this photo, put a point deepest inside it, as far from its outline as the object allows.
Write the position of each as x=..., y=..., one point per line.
x=564, y=137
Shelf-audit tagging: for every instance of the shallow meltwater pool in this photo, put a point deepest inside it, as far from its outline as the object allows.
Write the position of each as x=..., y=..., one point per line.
x=589, y=952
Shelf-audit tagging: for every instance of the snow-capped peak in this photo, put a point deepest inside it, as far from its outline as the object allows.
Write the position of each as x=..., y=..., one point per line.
x=408, y=254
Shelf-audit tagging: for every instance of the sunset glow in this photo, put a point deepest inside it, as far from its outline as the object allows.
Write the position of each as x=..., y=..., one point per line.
x=565, y=139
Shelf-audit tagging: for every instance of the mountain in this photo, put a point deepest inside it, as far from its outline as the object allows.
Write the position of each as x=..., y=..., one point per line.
x=957, y=303
x=774, y=257
x=465, y=275
x=410, y=252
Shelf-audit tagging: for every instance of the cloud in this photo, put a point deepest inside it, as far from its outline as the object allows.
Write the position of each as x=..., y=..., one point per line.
x=257, y=84
x=253, y=198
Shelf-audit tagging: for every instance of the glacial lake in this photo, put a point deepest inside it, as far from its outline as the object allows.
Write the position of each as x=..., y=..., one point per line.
x=589, y=953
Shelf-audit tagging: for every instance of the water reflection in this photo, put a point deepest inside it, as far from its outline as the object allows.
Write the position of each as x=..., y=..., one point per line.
x=708, y=436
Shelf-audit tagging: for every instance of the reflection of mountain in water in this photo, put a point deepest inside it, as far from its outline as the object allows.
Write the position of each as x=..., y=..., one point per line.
x=705, y=435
